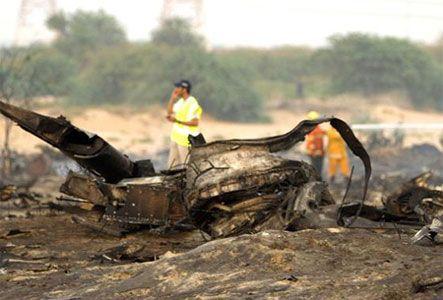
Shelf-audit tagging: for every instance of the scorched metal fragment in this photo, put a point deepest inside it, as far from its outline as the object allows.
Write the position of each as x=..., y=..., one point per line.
x=226, y=187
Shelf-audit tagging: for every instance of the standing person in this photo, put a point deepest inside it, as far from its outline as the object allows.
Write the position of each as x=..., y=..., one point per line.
x=315, y=145
x=185, y=113
x=337, y=156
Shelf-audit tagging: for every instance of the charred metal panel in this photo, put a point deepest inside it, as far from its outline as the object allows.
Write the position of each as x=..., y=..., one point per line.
x=249, y=189
x=227, y=187
x=225, y=174
x=286, y=141
x=152, y=201
x=144, y=168
x=142, y=205
x=241, y=217
x=89, y=150
x=83, y=187
x=415, y=197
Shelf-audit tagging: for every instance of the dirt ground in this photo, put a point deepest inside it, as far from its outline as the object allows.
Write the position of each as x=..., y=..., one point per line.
x=55, y=259
x=40, y=258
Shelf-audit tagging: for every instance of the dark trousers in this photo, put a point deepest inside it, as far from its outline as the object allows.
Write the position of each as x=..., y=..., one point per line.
x=317, y=163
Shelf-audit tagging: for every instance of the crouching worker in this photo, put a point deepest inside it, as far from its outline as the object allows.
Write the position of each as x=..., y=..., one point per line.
x=185, y=113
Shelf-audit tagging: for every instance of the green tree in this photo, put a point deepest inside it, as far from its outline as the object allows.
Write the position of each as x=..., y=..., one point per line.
x=371, y=64
x=177, y=33
x=143, y=74
x=284, y=63
x=83, y=32
x=49, y=71
x=105, y=78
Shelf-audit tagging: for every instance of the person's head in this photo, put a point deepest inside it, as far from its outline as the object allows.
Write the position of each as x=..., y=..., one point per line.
x=313, y=115
x=184, y=87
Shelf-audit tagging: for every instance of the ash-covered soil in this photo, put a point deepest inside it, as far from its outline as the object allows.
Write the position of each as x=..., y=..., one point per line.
x=52, y=258
x=48, y=256
x=41, y=254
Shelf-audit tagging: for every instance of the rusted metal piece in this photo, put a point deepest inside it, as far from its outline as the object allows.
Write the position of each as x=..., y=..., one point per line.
x=84, y=187
x=284, y=142
x=88, y=150
x=242, y=184
x=404, y=200
x=380, y=215
x=226, y=188
x=152, y=200
x=223, y=174
x=242, y=217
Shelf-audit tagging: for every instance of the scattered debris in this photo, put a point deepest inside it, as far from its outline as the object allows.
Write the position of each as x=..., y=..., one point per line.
x=434, y=283
x=125, y=253
x=16, y=232
x=415, y=198
x=226, y=188
x=308, y=264
x=20, y=202
x=7, y=192
x=99, y=228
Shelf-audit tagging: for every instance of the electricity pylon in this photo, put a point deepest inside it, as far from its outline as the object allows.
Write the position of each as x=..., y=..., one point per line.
x=31, y=25
x=191, y=10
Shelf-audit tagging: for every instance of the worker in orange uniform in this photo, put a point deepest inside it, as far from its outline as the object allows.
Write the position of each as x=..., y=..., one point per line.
x=337, y=155
x=315, y=145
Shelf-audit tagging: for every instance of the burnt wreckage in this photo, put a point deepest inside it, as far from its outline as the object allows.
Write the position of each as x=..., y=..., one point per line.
x=226, y=187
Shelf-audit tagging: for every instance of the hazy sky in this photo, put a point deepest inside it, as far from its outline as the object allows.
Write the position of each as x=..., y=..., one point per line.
x=267, y=23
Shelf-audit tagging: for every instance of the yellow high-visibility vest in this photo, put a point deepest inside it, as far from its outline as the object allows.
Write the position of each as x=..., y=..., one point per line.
x=185, y=111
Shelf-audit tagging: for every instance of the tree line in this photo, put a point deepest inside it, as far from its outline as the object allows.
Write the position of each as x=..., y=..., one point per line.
x=91, y=62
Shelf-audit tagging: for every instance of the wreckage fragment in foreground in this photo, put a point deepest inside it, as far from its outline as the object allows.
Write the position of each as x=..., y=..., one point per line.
x=88, y=150
x=227, y=187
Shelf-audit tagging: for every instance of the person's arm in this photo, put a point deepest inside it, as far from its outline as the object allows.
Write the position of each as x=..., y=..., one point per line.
x=172, y=100
x=193, y=122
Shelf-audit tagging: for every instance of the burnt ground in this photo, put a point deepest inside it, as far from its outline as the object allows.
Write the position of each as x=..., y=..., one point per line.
x=44, y=253
x=333, y=264
x=48, y=256
x=55, y=259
